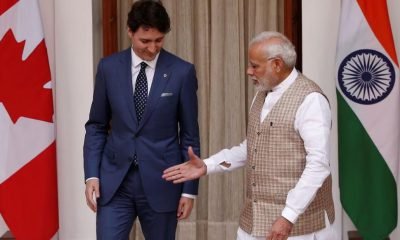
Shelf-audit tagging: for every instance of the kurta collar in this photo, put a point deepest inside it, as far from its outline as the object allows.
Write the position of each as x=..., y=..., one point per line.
x=285, y=84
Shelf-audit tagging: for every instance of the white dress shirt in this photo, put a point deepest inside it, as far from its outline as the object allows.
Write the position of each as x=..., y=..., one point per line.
x=313, y=123
x=150, y=69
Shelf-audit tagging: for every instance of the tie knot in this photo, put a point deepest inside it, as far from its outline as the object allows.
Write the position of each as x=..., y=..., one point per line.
x=143, y=65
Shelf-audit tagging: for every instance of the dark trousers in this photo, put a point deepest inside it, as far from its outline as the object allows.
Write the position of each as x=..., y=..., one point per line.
x=115, y=219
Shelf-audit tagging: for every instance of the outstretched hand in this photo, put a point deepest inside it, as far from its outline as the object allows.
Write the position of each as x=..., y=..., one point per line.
x=192, y=169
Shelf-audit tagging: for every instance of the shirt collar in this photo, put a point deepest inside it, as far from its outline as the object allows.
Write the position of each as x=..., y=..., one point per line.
x=281, y=87
x=137, y=60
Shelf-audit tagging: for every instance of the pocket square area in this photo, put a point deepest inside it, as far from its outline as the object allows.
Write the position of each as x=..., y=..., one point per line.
x=166, y=94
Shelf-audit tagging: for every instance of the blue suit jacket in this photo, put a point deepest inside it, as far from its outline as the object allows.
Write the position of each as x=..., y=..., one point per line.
x=168, y=127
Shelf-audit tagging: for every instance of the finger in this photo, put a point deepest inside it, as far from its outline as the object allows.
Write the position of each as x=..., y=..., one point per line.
x=180, y=210
x=183, y=215
x=93, y=203
x=179, y=180
x=187, y=209
x=93, y=192
x=89, y=204
x=170, y=169
x=176, y=178
x=173, y=168
x=275, y=236
x=171, y=176
x=89, y=201
x=97, y=190
x=181, y=171
x=270, y=236
x=168, y=176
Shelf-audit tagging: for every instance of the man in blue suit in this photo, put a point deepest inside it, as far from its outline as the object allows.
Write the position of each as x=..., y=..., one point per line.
x=142, y=120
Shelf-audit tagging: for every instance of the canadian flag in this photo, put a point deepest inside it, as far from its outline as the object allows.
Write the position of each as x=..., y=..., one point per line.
x=28, y=179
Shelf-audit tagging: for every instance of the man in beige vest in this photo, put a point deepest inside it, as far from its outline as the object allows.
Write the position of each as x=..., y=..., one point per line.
x=289, y=185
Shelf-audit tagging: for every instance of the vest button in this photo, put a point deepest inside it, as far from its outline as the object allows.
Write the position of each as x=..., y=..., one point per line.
x=253, y=167
x=254, y=184
x=255, y=200
x=255, y=150
x=258, y=133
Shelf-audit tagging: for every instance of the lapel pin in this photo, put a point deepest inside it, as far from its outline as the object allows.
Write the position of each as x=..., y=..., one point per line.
x=165, y=75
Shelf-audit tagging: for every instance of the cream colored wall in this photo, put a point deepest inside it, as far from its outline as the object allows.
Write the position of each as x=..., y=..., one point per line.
x=320, y=31
x=68, y=31
x=74, y=87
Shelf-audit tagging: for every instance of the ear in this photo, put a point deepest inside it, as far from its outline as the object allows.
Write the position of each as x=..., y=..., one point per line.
x=278, y=64
x=130, y=33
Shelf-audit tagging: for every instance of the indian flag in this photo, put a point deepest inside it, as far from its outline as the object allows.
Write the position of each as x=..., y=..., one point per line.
x=368, y=117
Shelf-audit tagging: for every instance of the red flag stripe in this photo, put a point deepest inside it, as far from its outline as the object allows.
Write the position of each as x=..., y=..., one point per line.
x=28, y=199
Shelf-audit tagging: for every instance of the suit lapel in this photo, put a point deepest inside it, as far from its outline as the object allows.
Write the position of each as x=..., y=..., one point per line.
x=127, y=88
x=161, y=77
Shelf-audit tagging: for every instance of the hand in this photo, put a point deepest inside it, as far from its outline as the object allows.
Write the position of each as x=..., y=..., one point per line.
x=192, y=169
x=280, y=229
x=184, y=208
x=92, y=192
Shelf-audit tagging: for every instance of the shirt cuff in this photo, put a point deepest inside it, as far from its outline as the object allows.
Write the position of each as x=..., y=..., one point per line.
x=91, y=179
x=189, y=195
x=290, y=215
x=215, y=165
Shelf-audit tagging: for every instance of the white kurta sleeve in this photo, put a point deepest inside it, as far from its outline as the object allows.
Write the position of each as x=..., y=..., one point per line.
x=227, y=159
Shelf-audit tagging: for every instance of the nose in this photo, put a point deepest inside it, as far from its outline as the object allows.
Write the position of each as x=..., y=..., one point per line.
x=249, y=71
x=152, y=48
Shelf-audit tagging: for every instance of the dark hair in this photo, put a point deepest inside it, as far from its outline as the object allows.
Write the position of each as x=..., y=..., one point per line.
x=148, y=14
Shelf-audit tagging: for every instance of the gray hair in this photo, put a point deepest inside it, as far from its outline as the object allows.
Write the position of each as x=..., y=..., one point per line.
x=284, y=49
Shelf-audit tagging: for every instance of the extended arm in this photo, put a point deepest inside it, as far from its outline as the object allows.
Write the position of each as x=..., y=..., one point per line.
x=194, y=168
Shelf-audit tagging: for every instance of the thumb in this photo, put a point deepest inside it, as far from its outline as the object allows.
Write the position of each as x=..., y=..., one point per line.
x=97, y=190
x=192, y=155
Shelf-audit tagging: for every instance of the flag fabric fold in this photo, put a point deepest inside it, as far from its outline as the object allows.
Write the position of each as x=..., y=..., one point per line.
x=28, y=180
x=368, y=96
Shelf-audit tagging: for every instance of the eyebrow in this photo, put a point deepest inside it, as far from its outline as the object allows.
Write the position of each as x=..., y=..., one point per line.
x=146, y=39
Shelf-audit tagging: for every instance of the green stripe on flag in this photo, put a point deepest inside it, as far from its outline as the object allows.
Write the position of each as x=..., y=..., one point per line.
x=367, y=187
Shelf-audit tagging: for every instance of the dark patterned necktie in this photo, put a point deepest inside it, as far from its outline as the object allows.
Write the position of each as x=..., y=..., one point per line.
x=140, y=95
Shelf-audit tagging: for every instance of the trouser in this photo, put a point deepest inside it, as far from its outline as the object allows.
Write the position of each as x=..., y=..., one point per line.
x=115, y=219
x=326, y=233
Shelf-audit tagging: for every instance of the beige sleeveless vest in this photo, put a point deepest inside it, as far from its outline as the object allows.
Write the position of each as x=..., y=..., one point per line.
x=276, y=160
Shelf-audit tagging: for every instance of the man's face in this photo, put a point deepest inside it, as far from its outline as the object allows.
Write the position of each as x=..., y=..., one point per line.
x=261, y=69
x=146, y=42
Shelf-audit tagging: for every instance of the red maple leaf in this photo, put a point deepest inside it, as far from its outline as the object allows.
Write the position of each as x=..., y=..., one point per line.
x=22, y=82
x=6, y=4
